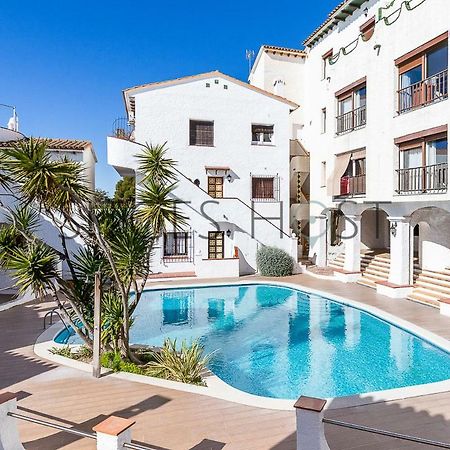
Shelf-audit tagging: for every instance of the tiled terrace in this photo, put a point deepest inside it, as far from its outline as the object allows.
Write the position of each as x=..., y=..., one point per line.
x=173, y=420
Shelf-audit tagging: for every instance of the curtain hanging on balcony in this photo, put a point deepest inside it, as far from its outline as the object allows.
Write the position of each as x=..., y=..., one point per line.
x=341, y=163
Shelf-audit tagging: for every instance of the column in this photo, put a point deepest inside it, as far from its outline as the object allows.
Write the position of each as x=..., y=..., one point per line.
x=400, y=234
x=9, y=434
x=310, y=428
x=352, y=240
x=113, y=432
x=318, y=240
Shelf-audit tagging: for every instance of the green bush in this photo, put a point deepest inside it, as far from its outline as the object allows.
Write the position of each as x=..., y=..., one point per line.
x=113, y=361
x=274, y=262
x=186, y=364
x=65, y=351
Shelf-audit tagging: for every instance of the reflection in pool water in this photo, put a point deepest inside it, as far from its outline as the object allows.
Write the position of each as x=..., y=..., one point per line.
x=279, y=342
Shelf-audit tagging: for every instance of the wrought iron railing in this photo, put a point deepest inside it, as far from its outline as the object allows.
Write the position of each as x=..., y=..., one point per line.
x=182, y=248
x=426, y=179
x=123, y=129
x=351, y=120
x=353, y=185
x=425, y=92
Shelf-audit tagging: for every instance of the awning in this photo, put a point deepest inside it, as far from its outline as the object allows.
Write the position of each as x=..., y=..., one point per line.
x=359, y=154
x=340, y=166
x=217, y=168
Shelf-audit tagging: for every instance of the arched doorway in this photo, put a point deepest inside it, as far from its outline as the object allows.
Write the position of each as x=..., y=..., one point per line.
x=374, y=231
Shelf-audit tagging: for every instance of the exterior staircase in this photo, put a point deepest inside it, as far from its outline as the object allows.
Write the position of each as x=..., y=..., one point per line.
x=430, y=286
x=375, y=266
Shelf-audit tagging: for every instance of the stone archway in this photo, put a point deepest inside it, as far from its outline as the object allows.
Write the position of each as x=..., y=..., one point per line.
x=374, y=231
x=431, y=237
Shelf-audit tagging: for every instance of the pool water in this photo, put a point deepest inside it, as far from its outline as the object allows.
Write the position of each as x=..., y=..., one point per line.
x=279, y=342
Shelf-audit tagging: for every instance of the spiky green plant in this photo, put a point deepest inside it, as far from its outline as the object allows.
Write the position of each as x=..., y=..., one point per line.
x=185, y=364
x=155, y=165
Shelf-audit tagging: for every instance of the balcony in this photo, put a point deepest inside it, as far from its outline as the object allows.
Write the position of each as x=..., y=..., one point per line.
x=353, y=186
x=351, y=120
x=123, y=129
x=423, y=180
x=423, y=93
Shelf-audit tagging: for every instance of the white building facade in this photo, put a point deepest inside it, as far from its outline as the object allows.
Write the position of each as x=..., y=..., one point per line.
x=231, y=142
x=374, y=116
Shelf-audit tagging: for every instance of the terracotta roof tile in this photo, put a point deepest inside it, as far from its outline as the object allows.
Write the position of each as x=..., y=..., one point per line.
x=293, y=51
x=61, y=144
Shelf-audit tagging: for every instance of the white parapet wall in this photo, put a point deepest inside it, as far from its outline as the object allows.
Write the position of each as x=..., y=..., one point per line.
x=213, y=268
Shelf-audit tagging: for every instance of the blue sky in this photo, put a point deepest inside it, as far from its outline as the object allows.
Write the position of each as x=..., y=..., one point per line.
x=65, y=63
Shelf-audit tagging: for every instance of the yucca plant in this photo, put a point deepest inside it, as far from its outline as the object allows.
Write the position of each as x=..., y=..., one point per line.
x=118, y=238
x=186, y=364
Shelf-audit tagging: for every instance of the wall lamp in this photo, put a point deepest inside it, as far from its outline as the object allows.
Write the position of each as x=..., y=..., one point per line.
x=228, y=233
x=229, y=178
x=393, y=229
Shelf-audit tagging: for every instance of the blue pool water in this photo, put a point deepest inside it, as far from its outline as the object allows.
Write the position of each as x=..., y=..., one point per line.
x=279, y=342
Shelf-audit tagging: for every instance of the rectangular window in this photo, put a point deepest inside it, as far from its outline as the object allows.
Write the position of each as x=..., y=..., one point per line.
x=351, y=107
x=325, y=63
x=262, y=134
x=324, y=120
x=323, y=174
x=423, y=165
x=265, y=188
x=201, y=133
x=176, y=244
x=215, y=245
x=423, y=75
x=215, y=187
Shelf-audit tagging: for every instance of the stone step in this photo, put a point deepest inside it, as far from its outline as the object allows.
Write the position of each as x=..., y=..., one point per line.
x=373, y=277
x=364, y=281
x=377, y=273
x=436, y=275
x=375, y=263
x=433, y=286
x=423, y=297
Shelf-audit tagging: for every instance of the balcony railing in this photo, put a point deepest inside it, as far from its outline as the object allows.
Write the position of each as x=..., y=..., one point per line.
x=419, y=180
x=351, y=120
x=353, y=185
x=123, y=129
x=425, y=92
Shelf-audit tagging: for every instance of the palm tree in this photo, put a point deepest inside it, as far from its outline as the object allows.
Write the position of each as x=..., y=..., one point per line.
x=119, y=238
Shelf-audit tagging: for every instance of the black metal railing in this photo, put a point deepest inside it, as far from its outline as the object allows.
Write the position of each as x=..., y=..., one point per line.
x=425, y=92
x=353, y=185
x=123, y=129
x=351, y=120
x=426, y=179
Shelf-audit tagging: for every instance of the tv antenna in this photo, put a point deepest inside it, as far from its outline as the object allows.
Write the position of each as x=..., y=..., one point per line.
x=249, y=55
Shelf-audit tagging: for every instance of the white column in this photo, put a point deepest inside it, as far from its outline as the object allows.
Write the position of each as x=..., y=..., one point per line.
x=113, y=432
x=352, y=240
x=9, y=434
x=400, y=234
x=318, y=240
x=310, y=428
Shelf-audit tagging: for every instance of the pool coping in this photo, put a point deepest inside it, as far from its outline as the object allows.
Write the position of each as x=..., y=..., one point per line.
x=219, y=389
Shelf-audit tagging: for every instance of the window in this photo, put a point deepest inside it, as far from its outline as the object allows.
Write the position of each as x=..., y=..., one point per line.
x=262, y=134
x=265, y=188
x=353, y=182
x=423, y=75
x=201, y=133
x=351, y=107
x=215, y=245
x=423, y=163
x=215, y=187
x=323, y=174
x=324, y=120
x=325, y=59
x=176, y=244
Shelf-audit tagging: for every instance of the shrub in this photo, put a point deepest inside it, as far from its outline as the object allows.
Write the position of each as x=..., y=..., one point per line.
x=274, y=262
x=113, y=361
x=65, y=351
x=186, y=364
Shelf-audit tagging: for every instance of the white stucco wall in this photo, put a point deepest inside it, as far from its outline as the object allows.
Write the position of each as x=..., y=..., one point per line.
x=163, y=115
x=413, y=29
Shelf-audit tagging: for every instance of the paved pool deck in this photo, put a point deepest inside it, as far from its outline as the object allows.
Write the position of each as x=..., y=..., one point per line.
x=174, y=420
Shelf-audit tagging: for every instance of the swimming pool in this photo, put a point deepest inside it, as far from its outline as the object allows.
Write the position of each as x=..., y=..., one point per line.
x=279, y=342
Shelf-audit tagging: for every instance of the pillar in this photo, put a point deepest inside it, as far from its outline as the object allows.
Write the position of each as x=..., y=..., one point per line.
x=310, y=427
x=9, y=434
x=318, y=239
x=400, y=235
x=113, y=432
x=352, y=240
